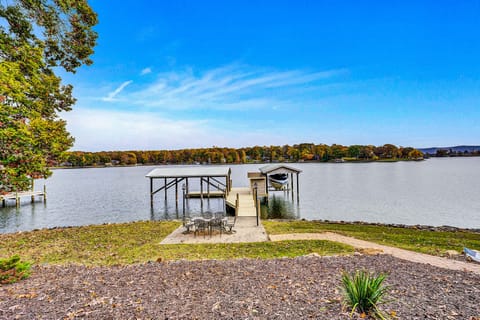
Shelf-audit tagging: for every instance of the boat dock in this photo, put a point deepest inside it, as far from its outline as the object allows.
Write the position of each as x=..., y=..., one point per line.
x=204, y=182
x=17, y=196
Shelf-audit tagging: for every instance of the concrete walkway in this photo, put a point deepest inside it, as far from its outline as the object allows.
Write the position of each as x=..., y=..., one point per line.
x=246, y=231
x=396, y=252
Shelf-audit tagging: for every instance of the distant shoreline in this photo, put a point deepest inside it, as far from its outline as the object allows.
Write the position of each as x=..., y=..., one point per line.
x=227, y=164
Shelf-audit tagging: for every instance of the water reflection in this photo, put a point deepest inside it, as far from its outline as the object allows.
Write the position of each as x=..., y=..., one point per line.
x=280, y=207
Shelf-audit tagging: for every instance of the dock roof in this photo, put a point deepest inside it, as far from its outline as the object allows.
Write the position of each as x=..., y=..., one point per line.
x=188, y=172
x=278, y=168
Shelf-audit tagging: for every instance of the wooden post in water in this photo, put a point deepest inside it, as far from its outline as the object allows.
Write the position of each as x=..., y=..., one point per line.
x=44, y=194
x=151, y=192
x=291, y=183
x=165, y=186
x=17, y=200
x=201, y=194
x=176, y=192
x=298, y=192
x=208, y=187
x=33, y=189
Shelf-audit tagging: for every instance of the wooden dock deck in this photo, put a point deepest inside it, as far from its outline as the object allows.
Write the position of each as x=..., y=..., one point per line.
x=246, y=203
x=17, y=196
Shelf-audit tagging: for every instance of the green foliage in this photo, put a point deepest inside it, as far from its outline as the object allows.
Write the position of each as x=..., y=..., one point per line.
x=13, y=270
x=364, y=291
x=31, y=95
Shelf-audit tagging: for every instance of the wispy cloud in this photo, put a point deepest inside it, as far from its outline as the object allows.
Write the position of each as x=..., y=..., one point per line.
x=111, y=96
x=229, y=87
x=146, y=71
x=129, y=130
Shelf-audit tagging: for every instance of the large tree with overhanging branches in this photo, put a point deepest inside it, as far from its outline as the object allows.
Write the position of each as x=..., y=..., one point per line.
x=38, y=38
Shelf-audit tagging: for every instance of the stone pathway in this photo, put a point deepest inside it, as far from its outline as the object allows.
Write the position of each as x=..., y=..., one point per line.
x=396, y=252
x=246, y=231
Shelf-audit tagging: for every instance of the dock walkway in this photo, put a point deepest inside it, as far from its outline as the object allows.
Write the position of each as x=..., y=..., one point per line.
x=246, y=204
x=17, y=196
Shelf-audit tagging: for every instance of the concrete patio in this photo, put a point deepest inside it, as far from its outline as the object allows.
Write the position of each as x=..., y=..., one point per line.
x=246, y=231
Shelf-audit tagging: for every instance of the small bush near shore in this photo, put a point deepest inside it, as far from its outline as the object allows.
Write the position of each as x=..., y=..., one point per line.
x=363, y=292
x=13, y=270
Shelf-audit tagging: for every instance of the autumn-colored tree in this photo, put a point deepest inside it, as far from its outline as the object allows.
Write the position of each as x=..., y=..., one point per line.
x=35, y=37
x=415, y=154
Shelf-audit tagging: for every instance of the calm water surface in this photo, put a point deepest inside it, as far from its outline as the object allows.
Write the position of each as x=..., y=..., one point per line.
x=433, y=192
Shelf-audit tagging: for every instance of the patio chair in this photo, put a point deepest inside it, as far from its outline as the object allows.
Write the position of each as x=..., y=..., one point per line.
x=229, y=223
x=188, y=225
x=201, y=225
x=217, y=223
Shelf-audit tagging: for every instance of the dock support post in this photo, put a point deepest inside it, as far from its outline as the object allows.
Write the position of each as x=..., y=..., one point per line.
x=4, y=203
x=298, y=192
x=291, y=183
x=151, y=192
x=44, y=194
x=201, y=194
x=237, y=204
x=32, y=198
x=165, y=186
x=17, y=200
x=227, y=186
x=176, y=192
x=208, y=187
x=259, y=211
x=255, y=198
x=183, y=202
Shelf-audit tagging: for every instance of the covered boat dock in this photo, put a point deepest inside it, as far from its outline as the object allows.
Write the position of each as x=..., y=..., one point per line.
x=272, y=169
x=214, y=181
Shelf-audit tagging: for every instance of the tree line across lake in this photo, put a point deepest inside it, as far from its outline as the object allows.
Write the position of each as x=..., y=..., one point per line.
x=218, y=155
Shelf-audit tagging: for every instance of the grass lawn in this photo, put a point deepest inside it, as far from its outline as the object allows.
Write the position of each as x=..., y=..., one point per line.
x=431, y=242
x=140, y=242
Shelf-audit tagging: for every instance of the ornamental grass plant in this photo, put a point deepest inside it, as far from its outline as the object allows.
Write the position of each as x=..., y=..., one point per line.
x=13, y=269
x=364, y=291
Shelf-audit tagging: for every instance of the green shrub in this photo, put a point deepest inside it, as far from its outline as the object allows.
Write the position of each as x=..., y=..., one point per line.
x=13, y=270
x=364, y=291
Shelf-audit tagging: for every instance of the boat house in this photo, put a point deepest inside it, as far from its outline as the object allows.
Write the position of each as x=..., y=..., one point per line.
x=214, y=181
x=275, y=169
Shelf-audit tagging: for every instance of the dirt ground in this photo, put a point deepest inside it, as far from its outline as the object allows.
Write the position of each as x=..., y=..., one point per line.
x=300, y=288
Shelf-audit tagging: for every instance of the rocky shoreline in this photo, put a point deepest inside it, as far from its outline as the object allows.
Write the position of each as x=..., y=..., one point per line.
x=299, y=288
x=392, y=225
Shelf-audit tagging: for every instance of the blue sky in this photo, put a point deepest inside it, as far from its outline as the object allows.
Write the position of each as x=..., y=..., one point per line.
x=184, y=74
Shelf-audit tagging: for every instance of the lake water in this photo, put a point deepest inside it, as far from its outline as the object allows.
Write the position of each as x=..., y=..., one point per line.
x=443, y=191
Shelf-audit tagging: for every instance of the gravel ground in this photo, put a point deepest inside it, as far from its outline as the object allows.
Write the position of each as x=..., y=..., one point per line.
x=300, y=288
